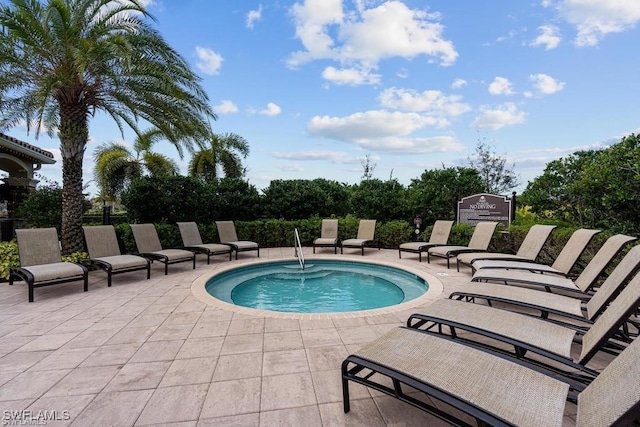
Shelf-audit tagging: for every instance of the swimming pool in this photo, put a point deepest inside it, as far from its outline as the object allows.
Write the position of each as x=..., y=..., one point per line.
x=324, y=286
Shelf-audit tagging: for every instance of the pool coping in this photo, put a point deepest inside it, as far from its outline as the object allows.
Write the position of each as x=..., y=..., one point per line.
x=433, y=292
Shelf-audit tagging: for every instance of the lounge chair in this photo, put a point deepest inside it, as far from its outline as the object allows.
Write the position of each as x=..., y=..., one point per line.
x=583, y=283
x=550, y=303
x=104, y=252
x=528, y=334
x=529, y=249
x=228, y=236
x=365, y=237
x=563, y=264
x=41, y=262
x=192, y=241
x=479, y=242
x=488, y=388
x=149, y=246
x=439, y=237
x=328, y=236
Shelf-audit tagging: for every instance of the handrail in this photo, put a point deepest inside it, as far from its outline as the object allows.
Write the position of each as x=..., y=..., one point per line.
x=298, y=246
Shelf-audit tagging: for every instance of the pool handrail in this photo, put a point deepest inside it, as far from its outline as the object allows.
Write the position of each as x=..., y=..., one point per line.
x=298, y=246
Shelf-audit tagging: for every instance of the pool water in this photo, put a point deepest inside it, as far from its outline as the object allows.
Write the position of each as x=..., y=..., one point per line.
x=322, y=287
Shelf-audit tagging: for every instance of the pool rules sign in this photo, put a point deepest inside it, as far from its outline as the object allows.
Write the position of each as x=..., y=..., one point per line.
x=484, y=207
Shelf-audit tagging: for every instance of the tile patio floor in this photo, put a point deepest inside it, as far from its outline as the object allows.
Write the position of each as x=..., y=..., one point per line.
x=148, y=352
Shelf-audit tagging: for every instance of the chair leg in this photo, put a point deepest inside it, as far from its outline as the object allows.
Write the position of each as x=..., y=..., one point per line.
x=194, y=260
x=148, y=270
x=86, y=281
x=30, y=284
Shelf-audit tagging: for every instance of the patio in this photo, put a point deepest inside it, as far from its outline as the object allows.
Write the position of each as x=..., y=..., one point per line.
x=148, y=352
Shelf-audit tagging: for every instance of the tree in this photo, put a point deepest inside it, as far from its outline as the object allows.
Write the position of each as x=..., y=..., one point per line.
x=61, y=61
x=368, y=166
x=224, y=154
x=116, y=166
x=436, y=193
x=496, y=176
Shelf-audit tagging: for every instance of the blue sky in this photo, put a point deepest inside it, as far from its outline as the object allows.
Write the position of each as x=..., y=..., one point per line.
x=314, y=86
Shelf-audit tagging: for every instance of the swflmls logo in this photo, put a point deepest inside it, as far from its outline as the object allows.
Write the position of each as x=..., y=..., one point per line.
x=27, y=417
x=482, y=204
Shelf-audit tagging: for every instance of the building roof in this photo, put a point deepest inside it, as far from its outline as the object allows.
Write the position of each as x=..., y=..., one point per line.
x=23, y=149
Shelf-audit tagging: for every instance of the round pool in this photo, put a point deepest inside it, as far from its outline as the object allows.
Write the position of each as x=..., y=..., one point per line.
x=323, y=286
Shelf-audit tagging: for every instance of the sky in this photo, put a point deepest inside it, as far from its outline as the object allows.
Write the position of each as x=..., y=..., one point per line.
x=316, y=86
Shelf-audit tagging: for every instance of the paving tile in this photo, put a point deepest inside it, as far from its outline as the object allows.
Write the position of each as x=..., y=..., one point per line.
x=242, y=344
x=63, y=359
x=209, y=329
x=243, y=420
x=189, y=371
x=19, y=362
x=308, y=416
x=287, y=391
x=131, y=335
x=186, y=318
x=7, y=376
x=200, y=347
x=171, y=332
x=237, y=366
x=283, y=341
x=138, y=376
x=246, y=326
x=48, y=342
x=316, y=324
x=91, y=338
x=393, y=409
x=281, y=325
x=148, y=320
x=320, y=337
x=174, y=404
x=32, y=384
x=71, y=325
x=117, y=354
x=284, y=362
x=326, y=358
x=120, y=408
x=328, y=387
x=364, y=412
x=157, y=351
x=236, y=397
x=64, y=408
x=83, y=381
x=216, y=316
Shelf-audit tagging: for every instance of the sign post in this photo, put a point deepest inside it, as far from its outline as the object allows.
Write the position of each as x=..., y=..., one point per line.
x=484, y=207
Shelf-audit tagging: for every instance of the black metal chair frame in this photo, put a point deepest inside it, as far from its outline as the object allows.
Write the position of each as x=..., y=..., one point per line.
x=28, y=278
x=108, y=268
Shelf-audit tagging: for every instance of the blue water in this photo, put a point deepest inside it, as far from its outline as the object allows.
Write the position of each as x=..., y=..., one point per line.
x=322, y=287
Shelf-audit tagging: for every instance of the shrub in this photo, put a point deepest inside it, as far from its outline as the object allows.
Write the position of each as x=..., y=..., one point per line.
x=9, y=257
x=43, y=207
x=381, y=200
x=301, y=199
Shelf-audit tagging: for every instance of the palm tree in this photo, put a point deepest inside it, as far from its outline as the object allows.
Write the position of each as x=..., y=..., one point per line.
x=61, y=61
x=116, y=166
x=224, y=155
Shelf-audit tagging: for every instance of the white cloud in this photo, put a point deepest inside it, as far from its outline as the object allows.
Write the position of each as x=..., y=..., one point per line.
x=350, y=76
x=226, y=107
x=431, y=102
x=458, y=83
x=506, y=114
x=271, y=110
x=594, y=19
x=290, y=167
x=381, y=130
x=545, y=85
x=332, y=156
x=549, y=37
x=365, y=36
x=209, y=62
x=501, y=86
x=253, y=16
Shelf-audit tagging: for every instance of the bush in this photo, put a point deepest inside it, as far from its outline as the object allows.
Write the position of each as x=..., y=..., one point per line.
x=301, y=199
x=380, y=200
x=43, y=207
x=9, y=257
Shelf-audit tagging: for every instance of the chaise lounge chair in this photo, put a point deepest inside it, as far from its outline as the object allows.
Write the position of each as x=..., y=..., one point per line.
x=583, y=283
x=529, y=249
x=528, y=334
x=41, y=262
x=149, y=246
x=328, y=236
x=228, y=236
x=439, y=237
x=479, y=242
x=192, y=241
x=492, y=390
x=563, y=264
x=551, y=303
x=365, y=237
x=104, y=252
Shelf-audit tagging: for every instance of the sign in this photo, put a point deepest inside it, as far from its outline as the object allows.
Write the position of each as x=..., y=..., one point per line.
x=484, y=207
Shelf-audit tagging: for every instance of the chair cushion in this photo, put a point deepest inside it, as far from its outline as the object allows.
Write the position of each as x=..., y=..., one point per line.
x=54, y=271
x=175, y=254
x=119, y=262
x=325, y=241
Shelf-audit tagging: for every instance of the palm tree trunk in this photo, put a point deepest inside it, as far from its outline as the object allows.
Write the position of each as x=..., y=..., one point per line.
x=74, y=133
